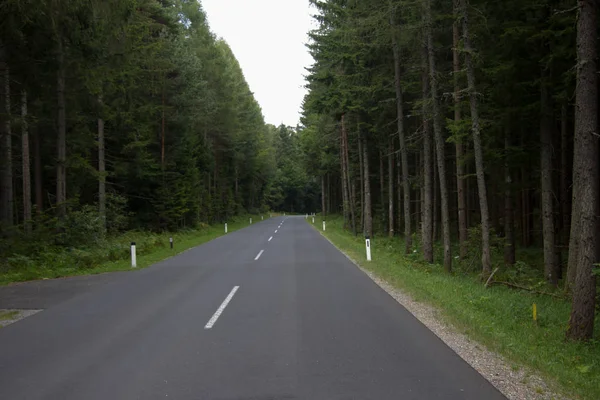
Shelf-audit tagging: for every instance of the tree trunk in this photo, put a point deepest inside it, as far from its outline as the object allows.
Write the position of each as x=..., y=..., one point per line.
x=162, y=134
x=550, y=262
x=101, y=169
x=403, y=151
x=439, y=142
x=323, y=198
x=400, y=216
x=460, y=169
x=585, y=173
x=345, y=196
x=6, y=178
x=37, y=166
x=362, y=186
x=61, y=144
x=382, y=192
x=509, y=228
x=564, y=176
x=477, y=146
x=391, y=188
x=350, y=184
x=367, y=182
x=427, y=224
x=26, y=164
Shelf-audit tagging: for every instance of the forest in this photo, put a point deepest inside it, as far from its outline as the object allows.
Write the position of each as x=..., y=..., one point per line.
x=128, y=115
x=468, y=128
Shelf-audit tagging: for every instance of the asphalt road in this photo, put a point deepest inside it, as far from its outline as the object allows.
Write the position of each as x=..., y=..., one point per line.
x=256, y=314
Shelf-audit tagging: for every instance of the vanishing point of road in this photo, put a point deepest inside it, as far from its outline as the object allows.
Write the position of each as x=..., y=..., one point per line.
x=269, y=312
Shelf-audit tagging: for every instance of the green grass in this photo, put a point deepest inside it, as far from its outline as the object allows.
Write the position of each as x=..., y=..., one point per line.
x=111, y=255
x=8, y=315
x=498, y=317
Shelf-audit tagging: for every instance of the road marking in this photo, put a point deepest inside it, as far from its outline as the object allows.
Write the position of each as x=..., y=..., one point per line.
x=219, y=311
x=271, y=238
x=259, y=254
x=275, y=230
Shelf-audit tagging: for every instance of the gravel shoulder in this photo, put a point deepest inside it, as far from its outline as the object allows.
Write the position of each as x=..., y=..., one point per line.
x=8, y=317
x=515, y=382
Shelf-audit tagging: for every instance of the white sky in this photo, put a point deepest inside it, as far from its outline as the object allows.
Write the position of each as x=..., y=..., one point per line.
x=268, y=38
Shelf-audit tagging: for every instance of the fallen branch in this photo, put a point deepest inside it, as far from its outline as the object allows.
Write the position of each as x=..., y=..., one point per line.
x=514, y=285
x=490, y=277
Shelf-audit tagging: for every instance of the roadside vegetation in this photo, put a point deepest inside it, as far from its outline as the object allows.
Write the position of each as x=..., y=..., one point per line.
x=497, y=316
x=109, y=254
x=128, y=120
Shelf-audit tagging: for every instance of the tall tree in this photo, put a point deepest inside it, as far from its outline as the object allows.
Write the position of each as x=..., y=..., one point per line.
x=26, y=165
x=401, y=136
x=477, y=144
x=439, y=140
x=585, y=174
x=460, y=169
x=6, y=183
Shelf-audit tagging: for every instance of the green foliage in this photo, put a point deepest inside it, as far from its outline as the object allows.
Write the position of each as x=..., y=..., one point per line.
x=185, y=141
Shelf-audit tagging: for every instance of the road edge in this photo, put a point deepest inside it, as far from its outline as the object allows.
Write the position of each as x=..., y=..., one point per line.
x=516, y=384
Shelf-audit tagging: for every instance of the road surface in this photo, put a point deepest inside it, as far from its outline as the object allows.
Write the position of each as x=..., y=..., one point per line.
x=270, y=312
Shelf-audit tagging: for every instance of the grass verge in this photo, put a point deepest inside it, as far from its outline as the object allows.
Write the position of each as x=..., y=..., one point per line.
x=498, y=317
x=112, y=254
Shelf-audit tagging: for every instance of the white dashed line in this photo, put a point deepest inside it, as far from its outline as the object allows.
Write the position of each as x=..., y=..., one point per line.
x=275, y=230
x=259, y=254
x=219, y=311
x=271, y=238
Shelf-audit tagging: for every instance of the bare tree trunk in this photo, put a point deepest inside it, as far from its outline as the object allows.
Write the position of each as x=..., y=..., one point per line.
x=400, y=216
x=61, y=145
x=477, y=146
x=391, y=188
x=585, y=173
x=26, y=164
x=403, y=151
x=345, y=189
x=101, y=168
x=564, y=176
x=345, y=211
x=509, y=228
x=550, y=262
x=162, y=134
x=37, y=166
x=436, y=199
x=427, y=225
x=367, y=182
x=362, y=185
x=460, y=169
x=350, y=184
x=6, y=178
x=323, y=197
x=382, y=192
x=439, y=142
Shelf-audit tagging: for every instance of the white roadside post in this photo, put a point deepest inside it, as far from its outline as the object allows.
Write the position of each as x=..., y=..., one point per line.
x=171, y=242
x=133, y=256
x=368, y=244
x=250, y=221
x=262, y=217
x=306, y=216
x=225, y=227
x=313, y=219
x=323, y=225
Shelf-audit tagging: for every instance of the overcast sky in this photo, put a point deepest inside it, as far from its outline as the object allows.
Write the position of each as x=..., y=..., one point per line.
x=268, y=38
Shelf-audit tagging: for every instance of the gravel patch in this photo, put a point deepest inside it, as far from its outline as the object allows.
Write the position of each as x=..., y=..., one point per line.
x=515, y=382
x=8, y=317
